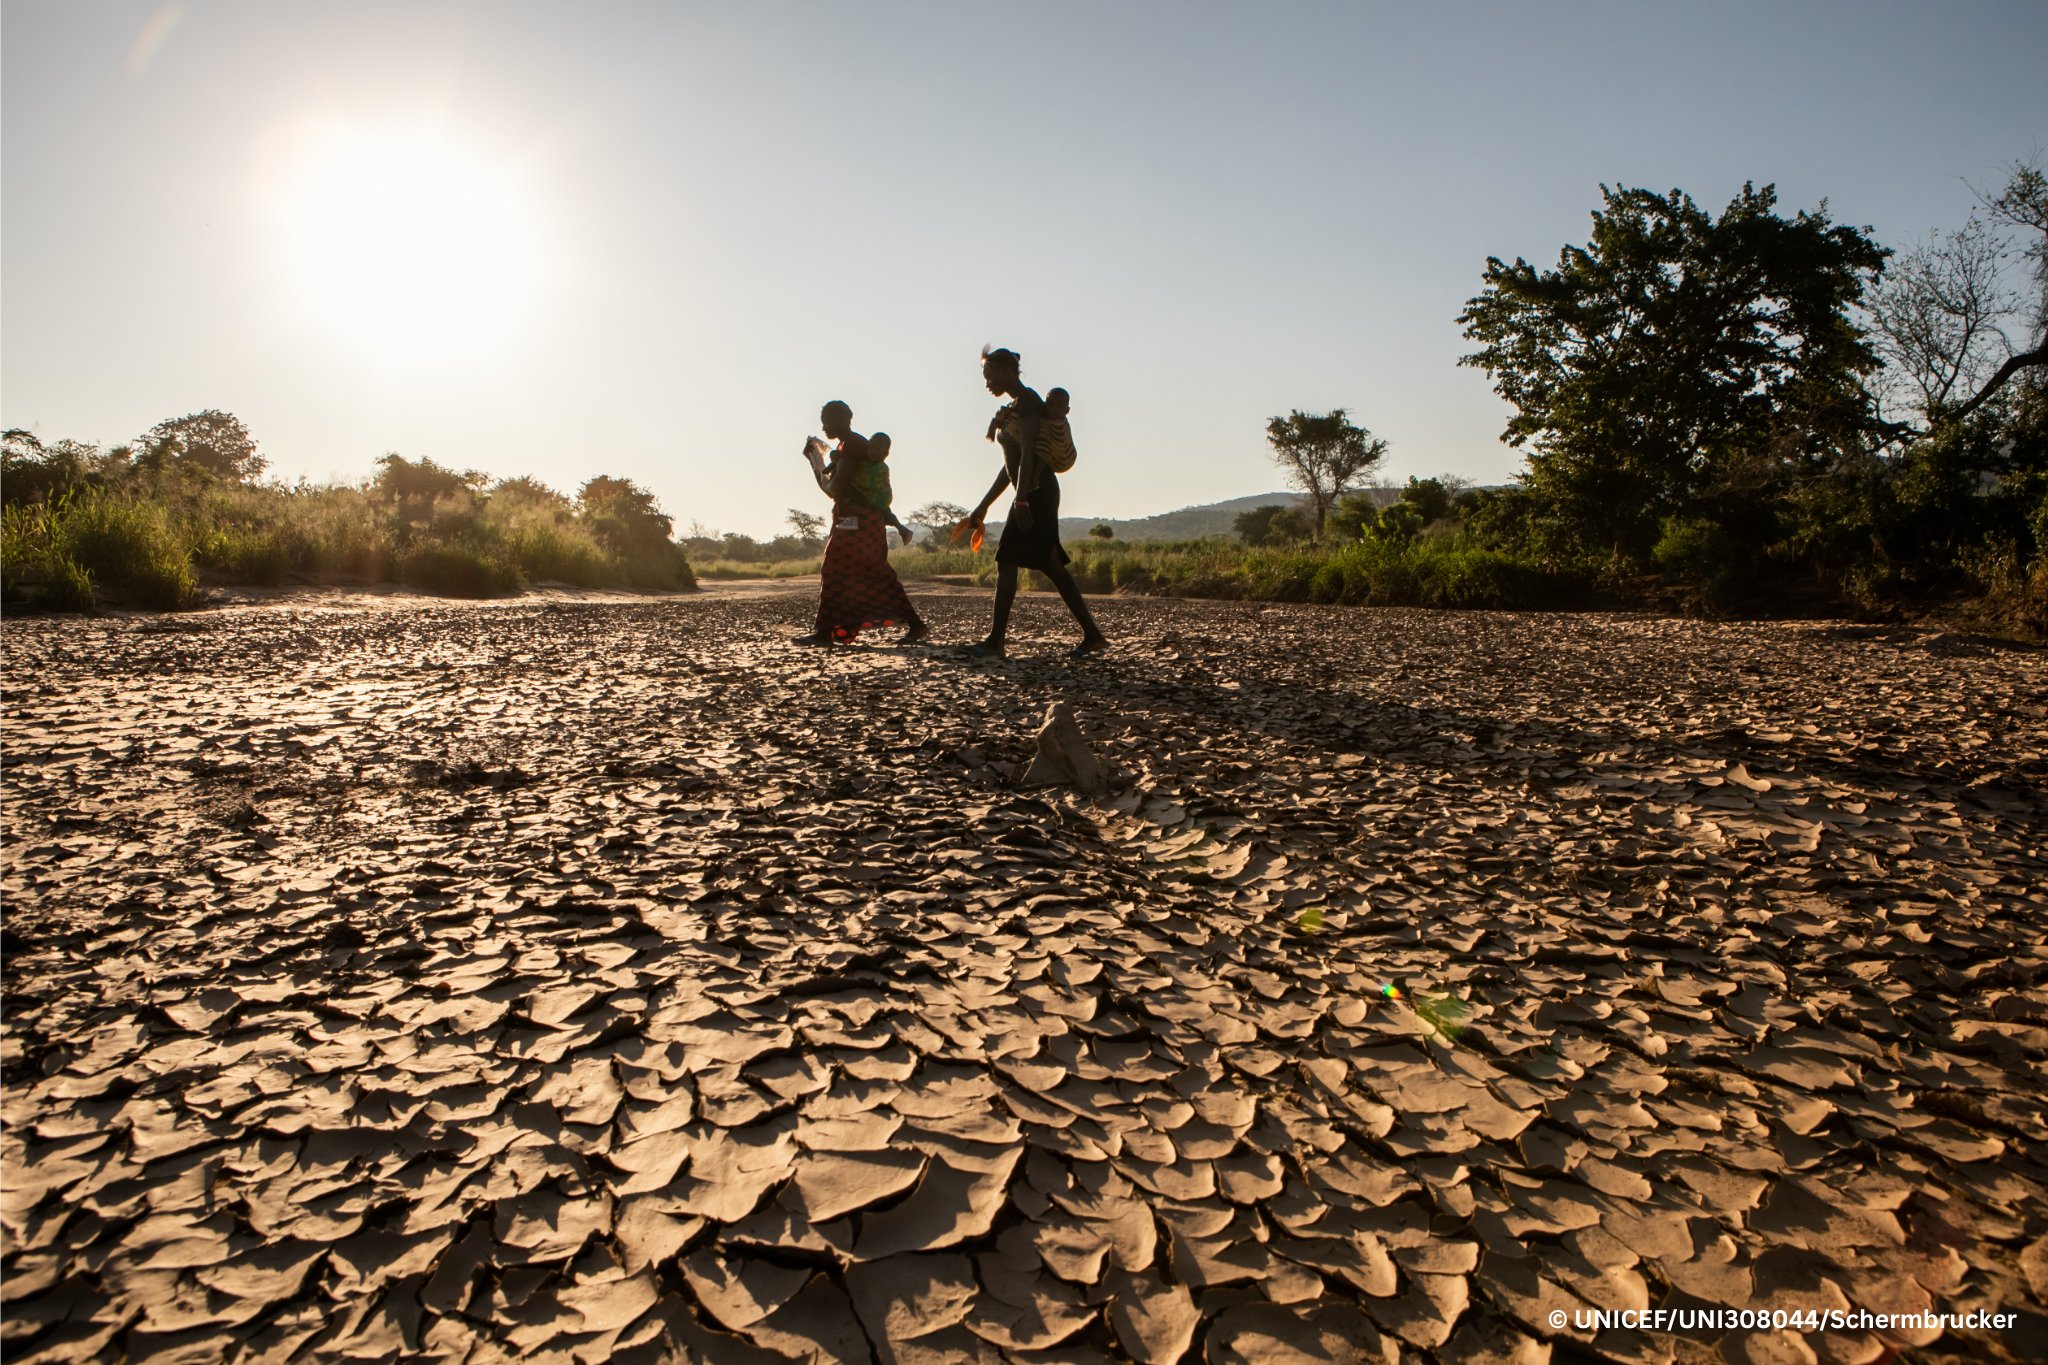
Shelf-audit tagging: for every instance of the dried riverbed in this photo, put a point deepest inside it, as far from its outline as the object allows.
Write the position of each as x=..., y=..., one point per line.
x=586, y=980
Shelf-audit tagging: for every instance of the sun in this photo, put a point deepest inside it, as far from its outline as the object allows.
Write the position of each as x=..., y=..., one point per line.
x=406, y=240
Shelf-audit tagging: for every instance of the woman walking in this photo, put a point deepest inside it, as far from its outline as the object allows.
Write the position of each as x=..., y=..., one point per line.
x=858, y=590
x=1031, y=533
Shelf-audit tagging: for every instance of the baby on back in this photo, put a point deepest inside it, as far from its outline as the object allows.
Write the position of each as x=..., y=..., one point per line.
x=871, y=482
x=1055, y=436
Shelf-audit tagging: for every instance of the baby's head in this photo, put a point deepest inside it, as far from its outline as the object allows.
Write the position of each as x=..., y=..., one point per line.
x=878, y=446
x=1056, y=401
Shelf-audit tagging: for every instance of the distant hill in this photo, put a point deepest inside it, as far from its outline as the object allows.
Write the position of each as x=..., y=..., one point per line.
x=1189, y=523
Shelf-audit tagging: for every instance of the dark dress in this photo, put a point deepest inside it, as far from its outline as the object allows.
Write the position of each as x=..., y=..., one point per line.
x=1038, y=545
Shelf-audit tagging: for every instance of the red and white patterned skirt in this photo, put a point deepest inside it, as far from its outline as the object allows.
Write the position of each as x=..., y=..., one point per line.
x=860, y=591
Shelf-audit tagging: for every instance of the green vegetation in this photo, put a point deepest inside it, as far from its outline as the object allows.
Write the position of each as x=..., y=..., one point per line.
x=1324, y=455
x=83, y=540
x=1272, y=524
x=733, y=555
x=756, y=568
x=86, y=528
x=1443, y=569
x=1705, y=404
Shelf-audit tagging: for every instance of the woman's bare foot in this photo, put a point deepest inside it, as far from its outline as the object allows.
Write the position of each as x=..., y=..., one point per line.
x=915, y=635
x=987, y=649
x=814, y=638
x=1090, y=644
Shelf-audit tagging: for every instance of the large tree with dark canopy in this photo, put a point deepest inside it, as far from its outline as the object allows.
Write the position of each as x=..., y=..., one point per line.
x=1676, y=354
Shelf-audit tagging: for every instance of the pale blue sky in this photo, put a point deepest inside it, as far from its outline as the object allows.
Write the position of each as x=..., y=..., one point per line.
x=648, y=240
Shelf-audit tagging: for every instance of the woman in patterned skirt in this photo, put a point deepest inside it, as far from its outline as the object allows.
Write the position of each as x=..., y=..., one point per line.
x=858, y=588
x=1031, y=533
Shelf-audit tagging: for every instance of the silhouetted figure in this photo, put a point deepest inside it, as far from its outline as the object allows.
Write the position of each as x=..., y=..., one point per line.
x=1031, y=533
x=877, y=469
x=858, y=590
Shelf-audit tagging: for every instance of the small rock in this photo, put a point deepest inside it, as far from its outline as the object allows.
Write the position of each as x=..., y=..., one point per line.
x=1064, y=758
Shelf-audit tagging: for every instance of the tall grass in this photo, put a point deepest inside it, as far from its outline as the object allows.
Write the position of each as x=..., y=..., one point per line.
x=918, y=562
x=459, y=568
x=82, y=547
x=1423, y=572
x=748, y=568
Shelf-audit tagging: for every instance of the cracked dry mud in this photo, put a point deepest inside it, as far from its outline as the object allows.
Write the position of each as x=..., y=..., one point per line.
x=586, y=981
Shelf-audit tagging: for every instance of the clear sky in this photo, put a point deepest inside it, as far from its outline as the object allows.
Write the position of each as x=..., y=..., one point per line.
x=649, y=240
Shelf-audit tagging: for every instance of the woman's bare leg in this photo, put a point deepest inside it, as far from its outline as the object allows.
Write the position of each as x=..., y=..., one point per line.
x=1006, y=594
x=1070, y=592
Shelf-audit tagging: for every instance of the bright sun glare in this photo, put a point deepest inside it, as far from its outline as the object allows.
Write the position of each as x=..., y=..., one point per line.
x=408, y=241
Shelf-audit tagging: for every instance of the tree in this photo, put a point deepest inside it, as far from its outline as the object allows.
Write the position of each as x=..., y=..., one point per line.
x=2022, y=207
x=1397, y=524
x=1273, y=524
x=1102, y=530
x=1674, y=352
x=418, y=481
x=525, y=491
x=1356, y=513
x=1323, y=455
x=1937, y=313
x=807, y=525
x=623, y=510
x=936, y=519
x=213, y=441
x=1431, y=498
x=628, y=522
x=31, y=471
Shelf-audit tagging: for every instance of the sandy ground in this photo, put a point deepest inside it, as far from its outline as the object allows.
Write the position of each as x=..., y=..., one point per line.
x=609, y=979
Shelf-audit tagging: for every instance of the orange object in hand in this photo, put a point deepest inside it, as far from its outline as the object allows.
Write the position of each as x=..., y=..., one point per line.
x=962, y=527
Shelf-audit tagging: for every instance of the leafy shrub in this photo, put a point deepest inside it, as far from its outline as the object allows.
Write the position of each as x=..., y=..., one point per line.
x=457, y=569
x=559, y=554
x=1273, y=524
x=1130, y=576
x=1697, y=551
x=246, y=554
